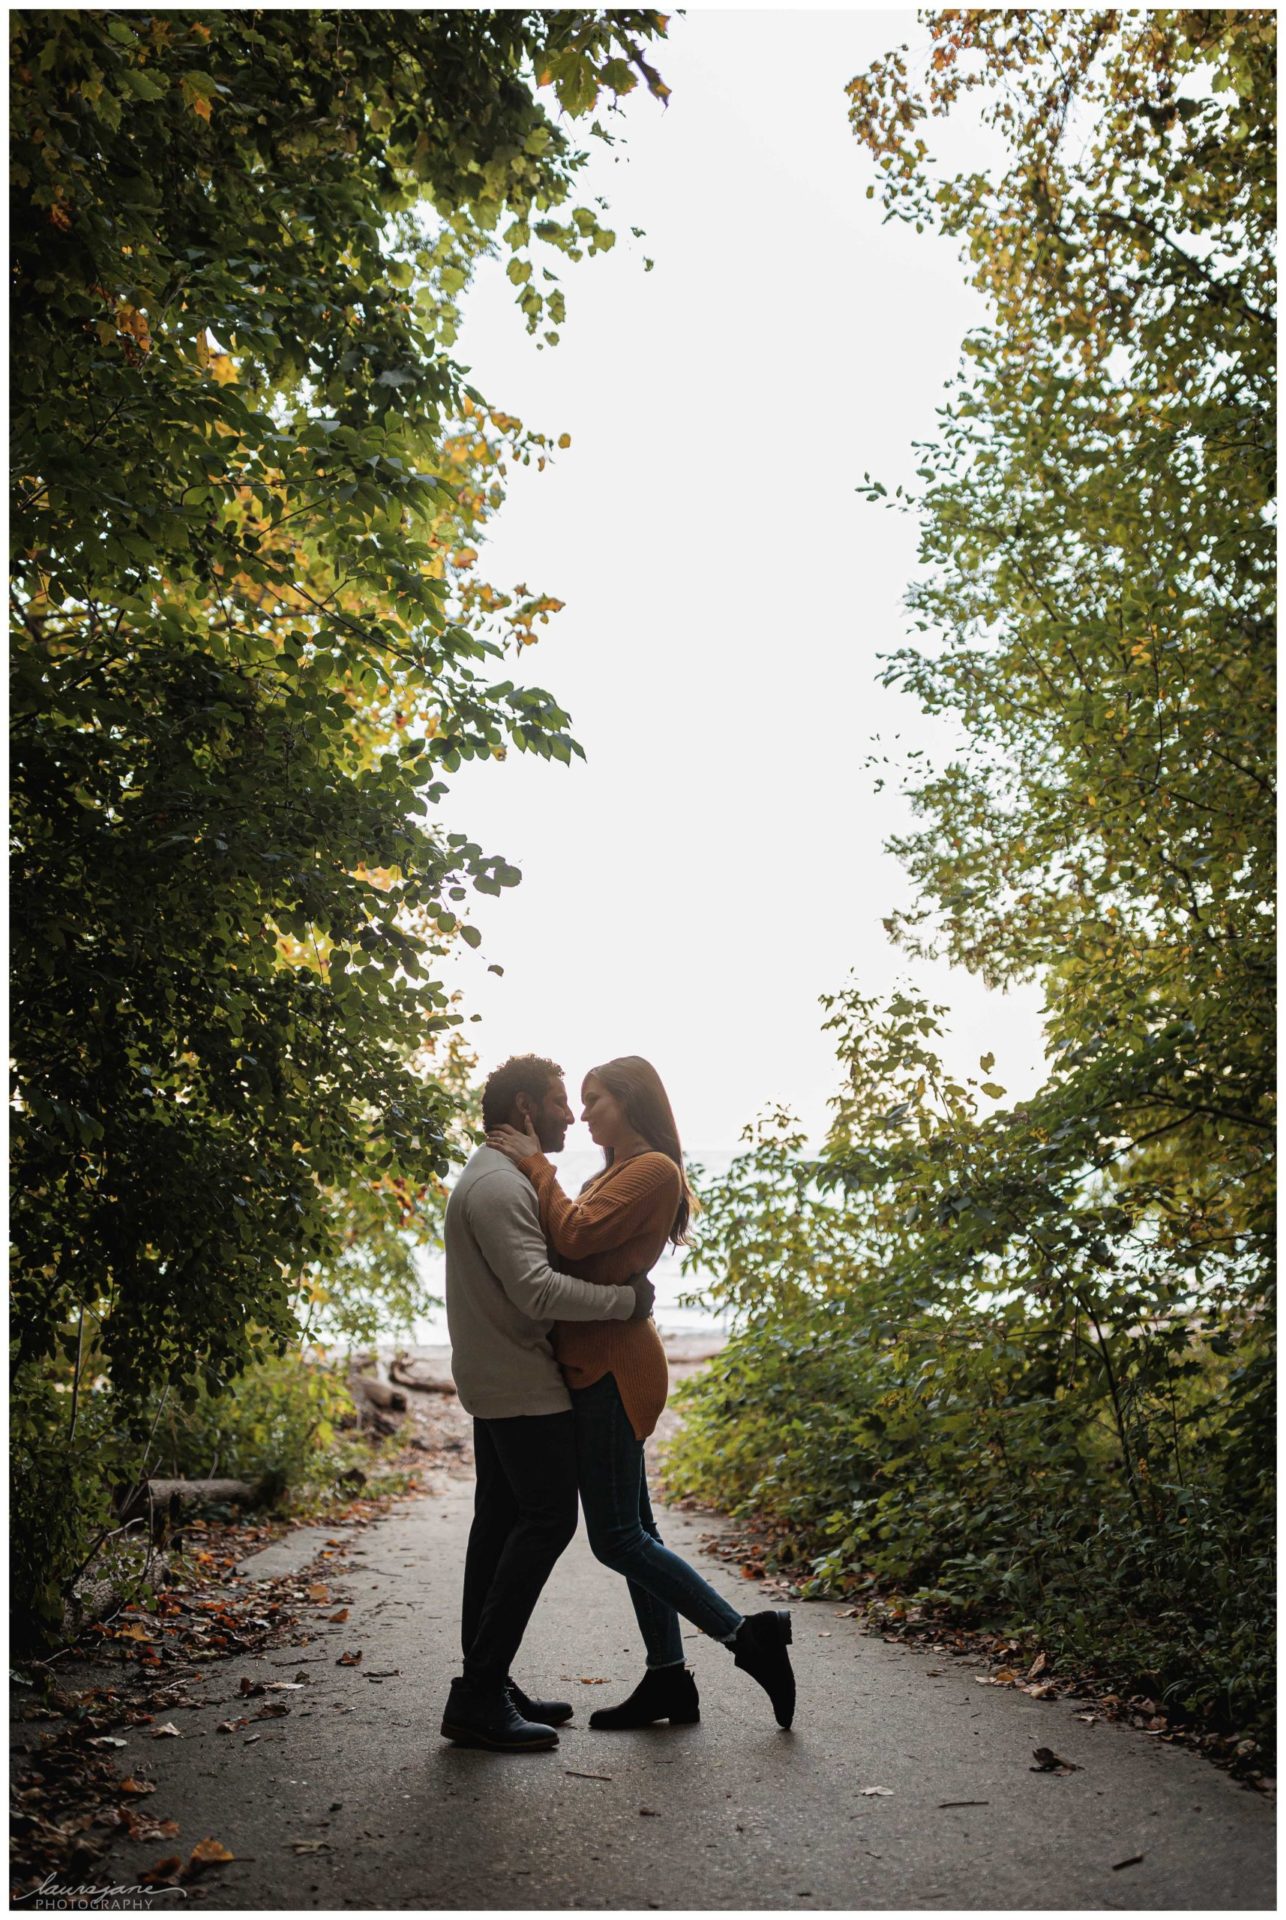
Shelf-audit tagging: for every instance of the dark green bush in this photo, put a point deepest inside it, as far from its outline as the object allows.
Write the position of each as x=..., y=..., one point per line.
x=977, y=1447
x=276, y=1419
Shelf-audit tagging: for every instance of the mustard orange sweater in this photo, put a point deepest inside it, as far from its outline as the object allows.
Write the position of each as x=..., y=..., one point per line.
x=616, y=1228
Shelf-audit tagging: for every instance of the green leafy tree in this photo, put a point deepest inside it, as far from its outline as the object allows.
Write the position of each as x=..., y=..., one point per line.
x=249, y=639
x=1055, y=1319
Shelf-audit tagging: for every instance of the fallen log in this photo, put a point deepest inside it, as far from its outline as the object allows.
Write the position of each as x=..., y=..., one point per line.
x=419, y=1375
x=376, y=1393
x=164, y=1499
x=235, y=1490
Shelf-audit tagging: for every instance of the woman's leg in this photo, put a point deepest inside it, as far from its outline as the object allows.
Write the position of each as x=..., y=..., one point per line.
x=623, y=1533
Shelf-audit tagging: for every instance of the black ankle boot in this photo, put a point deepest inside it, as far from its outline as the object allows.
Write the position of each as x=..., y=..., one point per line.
x=760, y=1648
x=549, y=1713
x=488, y=1718
x=664, y=1693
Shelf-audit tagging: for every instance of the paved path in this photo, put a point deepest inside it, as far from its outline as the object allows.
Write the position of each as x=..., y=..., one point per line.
x=730, y=1813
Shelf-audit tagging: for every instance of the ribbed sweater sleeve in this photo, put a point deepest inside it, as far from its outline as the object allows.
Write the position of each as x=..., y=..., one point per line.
x=513, y=1245
x=612, y=1212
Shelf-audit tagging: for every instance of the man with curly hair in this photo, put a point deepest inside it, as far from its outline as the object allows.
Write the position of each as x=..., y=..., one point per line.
x=502, y=1300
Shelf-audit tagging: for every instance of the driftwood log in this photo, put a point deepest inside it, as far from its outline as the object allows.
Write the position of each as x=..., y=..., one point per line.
x=375, y=1399
x=419, y=1375
x=377, y=1392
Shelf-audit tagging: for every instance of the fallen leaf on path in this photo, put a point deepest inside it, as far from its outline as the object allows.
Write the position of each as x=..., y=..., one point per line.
x=1090, y=1719
x=271, y=1710
x=231, y=1726
x=310, y=1846
x=285, y=1686
x=209, y=1853
x=868, y=1791
x=168, y=1731
x=338, y=1619
x=106, y=1740
x=1038, y=1666
x=1047, y=1761
x=134, y=1633
x=321, y=1594
x=824, y=1634
x=253, y=1737
x=964, y=1803
x=650, y=1813
x=158, y=1830
x=1133, y=1861
x=350, y=1659
x=164, y=1872
x=586, y=1680
x=1003, y=1677
x=137, y=1786
x=249, y=1688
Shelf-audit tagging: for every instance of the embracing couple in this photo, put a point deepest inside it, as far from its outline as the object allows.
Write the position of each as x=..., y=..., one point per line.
x=556, y=1356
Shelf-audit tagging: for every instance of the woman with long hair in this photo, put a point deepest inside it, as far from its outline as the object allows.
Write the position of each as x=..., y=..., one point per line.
x=617, y=1226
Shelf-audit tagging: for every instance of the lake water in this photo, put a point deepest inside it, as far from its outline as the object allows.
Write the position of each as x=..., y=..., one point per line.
x=574, y=1167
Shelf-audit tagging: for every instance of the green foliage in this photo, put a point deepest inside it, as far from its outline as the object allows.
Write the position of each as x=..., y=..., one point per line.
x=1023, y=1358
x=370, y=1283
x=61, y=1482
x=277, y=1420
x=928, y=1409
x=249, y=641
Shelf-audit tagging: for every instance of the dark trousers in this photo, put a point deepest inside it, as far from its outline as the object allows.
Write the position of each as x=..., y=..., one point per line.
x=524, y=1514
x=623, y=1533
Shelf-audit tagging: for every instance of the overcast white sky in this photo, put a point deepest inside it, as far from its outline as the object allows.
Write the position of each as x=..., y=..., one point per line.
x=718, y=863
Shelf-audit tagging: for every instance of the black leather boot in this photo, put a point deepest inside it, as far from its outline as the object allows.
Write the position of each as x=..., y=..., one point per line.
x=475, y=1717
x=550, y=1713
x=760, y=1648
x=664, y=1693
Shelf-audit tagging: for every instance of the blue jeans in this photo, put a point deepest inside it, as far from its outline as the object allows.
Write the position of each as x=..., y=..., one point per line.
x=624, y=1535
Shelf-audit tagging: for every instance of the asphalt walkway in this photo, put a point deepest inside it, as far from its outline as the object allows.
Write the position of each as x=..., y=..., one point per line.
x=904, y=1783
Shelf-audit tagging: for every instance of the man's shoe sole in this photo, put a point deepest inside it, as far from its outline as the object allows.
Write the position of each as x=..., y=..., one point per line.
x=470, y=1737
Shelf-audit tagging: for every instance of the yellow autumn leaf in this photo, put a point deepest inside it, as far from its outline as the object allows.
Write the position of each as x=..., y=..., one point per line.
x=464, y=556
x=209, y=1853
x=564, y=439
x=201, y=106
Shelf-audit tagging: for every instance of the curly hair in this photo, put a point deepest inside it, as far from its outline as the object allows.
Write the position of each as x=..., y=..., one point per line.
x=525, y=1073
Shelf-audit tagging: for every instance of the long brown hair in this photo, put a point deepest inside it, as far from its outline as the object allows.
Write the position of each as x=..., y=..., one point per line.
x=636, y=1085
